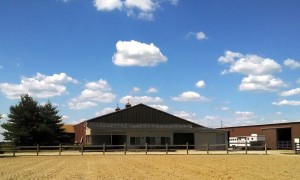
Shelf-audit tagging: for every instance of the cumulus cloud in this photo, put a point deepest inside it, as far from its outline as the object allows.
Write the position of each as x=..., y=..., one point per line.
x=200, y=84
x=292, y=64
x=291, y=92
x=136, y=89
x=105, y=111
x=140, y=99
x=287, y=103
x=261, y=83
x=249, y=64
x=200, y=36
x=152, y=90
x=141, y=9
x=185, y=115
x=94, y=93
x=39, y=86
x=244, y=114
x=190, y=96
x=259, y=71
x=133, y=53
x=197, y=35
x=160, y=107
x=108, y=5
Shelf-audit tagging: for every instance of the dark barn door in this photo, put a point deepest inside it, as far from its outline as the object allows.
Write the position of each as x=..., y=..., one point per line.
x=118, y=139
x=284, y=138
x=183, y=138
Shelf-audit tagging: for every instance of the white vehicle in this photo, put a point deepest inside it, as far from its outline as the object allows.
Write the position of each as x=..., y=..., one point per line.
x=251, y=141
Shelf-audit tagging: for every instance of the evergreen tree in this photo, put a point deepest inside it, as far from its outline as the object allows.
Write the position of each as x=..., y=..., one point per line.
x=31, y=124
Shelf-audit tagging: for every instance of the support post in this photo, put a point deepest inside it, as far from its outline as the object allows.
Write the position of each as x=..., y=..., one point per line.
x=226, y=146
x=167, y=148
x=246, y=147
x=103, y=148
x=125, y=147
x=146, y=148
x=207, y=149
x=37, y=149
x=14, y=150
x=82, y=147
x=266, y=150
x=60, y=149
x=187, y=147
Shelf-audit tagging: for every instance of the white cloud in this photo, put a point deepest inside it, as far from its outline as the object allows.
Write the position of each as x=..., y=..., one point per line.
x=98, y=85
x=95, y=92
x=142, y=5
x=249, y=64
x=152, y=90
x=79, y=104
x=244, y=115
x=280, y=121
x=185, y=115
x=292, y=64
x=40, y=86
x=133, y=53
x=64, y=117
x=298, y=81
x=140, y=99
x=200, y=36
x=224, y=108
x=291, y=92
x=287, y=103
x=261, y=83
x=105, y=111
x=200, y=84
x=160, y=107
x=141, y=9
x=136, y=89
x=190, y=96
x=108, y=5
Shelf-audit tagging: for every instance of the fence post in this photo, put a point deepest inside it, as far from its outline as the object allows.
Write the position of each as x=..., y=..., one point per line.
x=82, y=149
x=146, y=148
x=60, y=148
x=167, y=148
x=226, y=146
x=266, y=151
x=37, y=149
x=207, y=149
x=14, y=150
x=103, y=148
x=246, y=147
x=125, y=147
x=187, y=147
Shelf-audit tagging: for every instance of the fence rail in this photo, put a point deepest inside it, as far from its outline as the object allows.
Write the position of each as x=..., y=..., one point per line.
x=128, y=149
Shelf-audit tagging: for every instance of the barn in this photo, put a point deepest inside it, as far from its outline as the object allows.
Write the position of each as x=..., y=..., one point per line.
x=278, y=135
x=140, y=124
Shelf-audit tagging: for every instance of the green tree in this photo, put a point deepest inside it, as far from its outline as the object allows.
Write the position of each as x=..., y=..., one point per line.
x=30, y=123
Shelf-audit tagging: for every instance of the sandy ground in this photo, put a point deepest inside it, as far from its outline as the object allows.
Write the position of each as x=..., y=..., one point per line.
x=151, y=167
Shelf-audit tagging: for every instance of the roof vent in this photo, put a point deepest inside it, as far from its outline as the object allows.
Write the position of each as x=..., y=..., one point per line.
x=128, y=105
x=117, y=108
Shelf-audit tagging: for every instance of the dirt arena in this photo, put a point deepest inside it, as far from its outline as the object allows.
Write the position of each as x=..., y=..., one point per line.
x=151, y=167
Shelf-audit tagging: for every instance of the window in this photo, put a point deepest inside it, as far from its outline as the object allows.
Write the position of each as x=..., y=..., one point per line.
x=132, y=140
x=165, y=140
x=135, y=140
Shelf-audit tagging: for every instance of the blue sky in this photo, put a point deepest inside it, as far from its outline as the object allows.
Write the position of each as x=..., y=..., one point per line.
x=207, y=61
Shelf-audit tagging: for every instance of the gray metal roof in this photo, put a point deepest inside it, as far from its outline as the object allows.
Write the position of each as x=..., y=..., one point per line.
x=142, y=114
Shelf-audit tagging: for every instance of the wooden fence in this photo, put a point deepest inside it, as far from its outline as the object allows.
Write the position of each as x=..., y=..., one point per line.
x=131, y=149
